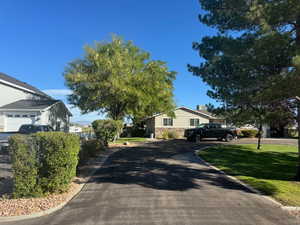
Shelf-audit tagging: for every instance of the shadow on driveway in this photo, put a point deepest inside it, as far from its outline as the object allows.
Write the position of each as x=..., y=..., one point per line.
x=152, y=166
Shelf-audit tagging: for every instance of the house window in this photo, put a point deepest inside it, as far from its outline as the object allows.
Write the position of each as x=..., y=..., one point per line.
x=194, y=122
x=32, y=115
x=168, y=122
x=9, y=115
x=17, y=115
x=24, y=115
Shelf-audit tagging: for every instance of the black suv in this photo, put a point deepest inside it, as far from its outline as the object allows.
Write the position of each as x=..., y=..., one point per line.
x=30, y=128
x=210, y=130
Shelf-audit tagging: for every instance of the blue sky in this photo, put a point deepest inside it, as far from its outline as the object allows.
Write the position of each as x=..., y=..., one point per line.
x=38, y=39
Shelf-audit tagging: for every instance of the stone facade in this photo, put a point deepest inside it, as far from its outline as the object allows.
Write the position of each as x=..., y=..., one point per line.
x=178, y=131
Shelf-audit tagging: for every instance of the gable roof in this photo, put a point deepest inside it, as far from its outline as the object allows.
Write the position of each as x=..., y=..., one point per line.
x=32, y=105
x=29, y=104
x=197, y=112
x=4, y=78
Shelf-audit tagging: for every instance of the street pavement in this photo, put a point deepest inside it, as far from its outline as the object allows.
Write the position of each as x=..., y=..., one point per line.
x=163, y=183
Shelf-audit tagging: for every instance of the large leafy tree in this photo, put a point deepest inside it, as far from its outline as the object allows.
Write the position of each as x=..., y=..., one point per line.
x=119, y=79
x=271, y=58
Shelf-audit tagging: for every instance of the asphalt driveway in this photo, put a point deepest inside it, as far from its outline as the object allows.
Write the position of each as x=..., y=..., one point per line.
x=163, y=183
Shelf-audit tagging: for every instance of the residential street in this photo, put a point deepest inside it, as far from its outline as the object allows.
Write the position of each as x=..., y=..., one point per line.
x=163, y=183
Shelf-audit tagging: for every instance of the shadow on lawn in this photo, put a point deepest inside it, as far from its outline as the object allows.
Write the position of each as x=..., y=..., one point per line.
x=252, y=165
x=147, y=166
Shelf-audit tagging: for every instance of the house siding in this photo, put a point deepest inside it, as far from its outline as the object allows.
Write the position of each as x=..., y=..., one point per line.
x=180, y=122
x=12, y=94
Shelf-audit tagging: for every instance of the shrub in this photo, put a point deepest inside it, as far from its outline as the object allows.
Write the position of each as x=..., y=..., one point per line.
x=58, y=158
x=24, y=165
x=249, y=133
x=107, y=130
x=88, y=149
x=169, y=134
x=165, y=135
x=43, y=162
x=172, y=135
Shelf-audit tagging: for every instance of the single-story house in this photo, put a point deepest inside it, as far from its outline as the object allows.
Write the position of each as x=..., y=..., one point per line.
x=185, y=118
x=21, y=103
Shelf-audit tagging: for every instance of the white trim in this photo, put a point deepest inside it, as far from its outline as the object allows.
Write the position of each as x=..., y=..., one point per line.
x=19, y=87
x=183, y=107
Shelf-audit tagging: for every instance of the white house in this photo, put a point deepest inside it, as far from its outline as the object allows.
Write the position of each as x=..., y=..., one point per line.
x=21, y=103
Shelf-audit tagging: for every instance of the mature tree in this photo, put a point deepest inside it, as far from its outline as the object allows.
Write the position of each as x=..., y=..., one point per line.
x=275, y=25
x=119, y=79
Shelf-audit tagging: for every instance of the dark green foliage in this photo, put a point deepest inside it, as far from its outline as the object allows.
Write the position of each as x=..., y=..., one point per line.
x=58, y=160
x=43, y=163
x=24, y=165
x=249, y=133
x=107, y=130
x=89, y=148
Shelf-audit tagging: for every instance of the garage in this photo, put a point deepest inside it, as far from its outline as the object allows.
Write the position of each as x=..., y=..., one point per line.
x=15, y=120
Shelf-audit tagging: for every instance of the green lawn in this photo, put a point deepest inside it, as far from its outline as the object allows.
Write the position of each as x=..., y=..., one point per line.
x=130, y=140
x=270, y=170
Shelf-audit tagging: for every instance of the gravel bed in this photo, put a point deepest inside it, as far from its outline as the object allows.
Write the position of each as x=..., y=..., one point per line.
x=25, y=206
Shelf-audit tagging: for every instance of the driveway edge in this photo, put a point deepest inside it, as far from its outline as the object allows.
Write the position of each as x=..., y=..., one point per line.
x=286, y=208
x=60, y=206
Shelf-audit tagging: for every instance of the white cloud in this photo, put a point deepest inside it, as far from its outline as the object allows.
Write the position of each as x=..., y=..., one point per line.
x=61, y=94
x=58, y=92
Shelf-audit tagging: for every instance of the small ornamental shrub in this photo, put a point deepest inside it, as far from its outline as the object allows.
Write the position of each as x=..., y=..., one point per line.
x=24, y=166
x=169, y=134
x=165, y=135
x=89, y=148
x=43, y=163
x=172, y=135
x=107, y=130
x=249, y=133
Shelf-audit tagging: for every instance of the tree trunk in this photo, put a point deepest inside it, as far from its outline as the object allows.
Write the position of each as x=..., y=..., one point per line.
x=259, y=136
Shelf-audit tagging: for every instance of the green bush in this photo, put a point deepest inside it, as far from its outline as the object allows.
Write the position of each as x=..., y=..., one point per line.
x=164, y=135
x=89, y=148
x=43, y=163
x=24, y=165
x=58, y=158
x=107, y=130
x=249, y=133
x=173, y=135
x=169, y=134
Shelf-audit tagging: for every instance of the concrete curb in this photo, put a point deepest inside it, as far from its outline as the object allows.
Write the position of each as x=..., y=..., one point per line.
x=286, y=208
x=60, y=206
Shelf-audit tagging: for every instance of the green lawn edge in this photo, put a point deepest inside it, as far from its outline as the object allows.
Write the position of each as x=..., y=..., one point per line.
x=270, y=170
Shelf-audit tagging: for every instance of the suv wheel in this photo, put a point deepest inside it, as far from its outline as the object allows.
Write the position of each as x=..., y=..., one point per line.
x=228, y=138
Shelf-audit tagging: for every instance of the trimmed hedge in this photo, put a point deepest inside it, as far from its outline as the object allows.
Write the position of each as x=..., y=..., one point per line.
x=43, y=163
x=89, y=148
x=249, y=133
x=107, y=130
x=24, y=165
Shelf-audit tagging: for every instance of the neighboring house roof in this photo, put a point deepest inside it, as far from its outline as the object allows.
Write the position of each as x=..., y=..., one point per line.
x=32, y=105
x=29, y=104
x=4, y=78
x=197, y=112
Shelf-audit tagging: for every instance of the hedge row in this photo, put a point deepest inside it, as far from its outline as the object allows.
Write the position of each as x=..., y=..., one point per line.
x=43, y=163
